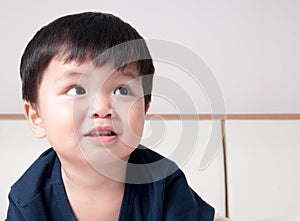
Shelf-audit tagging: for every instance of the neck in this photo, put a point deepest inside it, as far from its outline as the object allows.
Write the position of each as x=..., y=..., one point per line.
x=86, y=177
x=89, y=191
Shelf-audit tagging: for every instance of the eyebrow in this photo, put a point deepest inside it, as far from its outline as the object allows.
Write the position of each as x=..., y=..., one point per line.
x=129, y=74
x=73, y=73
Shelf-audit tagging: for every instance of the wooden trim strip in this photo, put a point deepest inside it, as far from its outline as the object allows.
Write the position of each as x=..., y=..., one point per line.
x=12, y=117
x=182, y=117
x=194, y=117
x=262, y=117
x=224, y=117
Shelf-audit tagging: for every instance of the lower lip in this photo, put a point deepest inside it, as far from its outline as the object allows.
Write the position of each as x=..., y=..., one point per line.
x=102, y=139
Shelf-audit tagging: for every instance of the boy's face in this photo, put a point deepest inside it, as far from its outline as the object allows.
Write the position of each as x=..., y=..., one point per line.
x=89, y=113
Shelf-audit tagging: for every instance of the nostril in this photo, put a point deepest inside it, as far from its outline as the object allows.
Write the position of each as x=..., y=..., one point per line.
x=101, y=108
x=97, y=115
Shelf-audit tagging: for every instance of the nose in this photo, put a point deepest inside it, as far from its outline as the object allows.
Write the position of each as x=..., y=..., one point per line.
x=101, y=107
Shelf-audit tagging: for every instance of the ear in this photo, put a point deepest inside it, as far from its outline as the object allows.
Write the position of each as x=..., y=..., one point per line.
x=34, y=119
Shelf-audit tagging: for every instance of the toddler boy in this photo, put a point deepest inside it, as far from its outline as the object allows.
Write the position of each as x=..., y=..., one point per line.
x=86, y=83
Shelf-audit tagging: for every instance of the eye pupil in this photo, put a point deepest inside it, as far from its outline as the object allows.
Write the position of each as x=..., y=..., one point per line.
x=122, y=91
x=77, y=90
x=80, y=90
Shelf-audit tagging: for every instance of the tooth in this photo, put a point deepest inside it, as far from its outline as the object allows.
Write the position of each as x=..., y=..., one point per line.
x=102, y=133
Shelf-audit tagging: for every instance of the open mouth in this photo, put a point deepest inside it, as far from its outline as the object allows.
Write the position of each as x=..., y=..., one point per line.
x=101, y=133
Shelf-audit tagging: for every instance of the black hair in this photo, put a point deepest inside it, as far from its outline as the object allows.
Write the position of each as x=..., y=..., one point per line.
x=81, y=37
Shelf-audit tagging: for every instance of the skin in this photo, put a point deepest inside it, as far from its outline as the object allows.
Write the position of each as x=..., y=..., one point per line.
x=94, y=118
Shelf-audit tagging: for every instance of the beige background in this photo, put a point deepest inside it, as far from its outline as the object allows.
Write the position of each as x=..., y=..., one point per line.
x=251, y=46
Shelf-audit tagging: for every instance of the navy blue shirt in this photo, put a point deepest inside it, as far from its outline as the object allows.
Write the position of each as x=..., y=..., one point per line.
x=40, y=194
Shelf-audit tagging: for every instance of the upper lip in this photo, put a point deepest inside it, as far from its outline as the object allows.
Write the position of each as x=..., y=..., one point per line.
x=101, y=130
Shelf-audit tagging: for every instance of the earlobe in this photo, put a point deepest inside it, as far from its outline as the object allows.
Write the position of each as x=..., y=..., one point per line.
x=34, y=119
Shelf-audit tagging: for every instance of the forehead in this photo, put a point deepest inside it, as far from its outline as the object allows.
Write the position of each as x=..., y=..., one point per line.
x=63, y=67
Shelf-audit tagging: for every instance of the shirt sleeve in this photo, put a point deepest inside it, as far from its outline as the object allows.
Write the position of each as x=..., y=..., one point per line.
x=182, y=203
x=14, y=213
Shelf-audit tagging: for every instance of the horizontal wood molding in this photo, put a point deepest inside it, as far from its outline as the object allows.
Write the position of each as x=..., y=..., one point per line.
x=224, y=117
x=194, y=117
x=262, y=117
x=12, y=117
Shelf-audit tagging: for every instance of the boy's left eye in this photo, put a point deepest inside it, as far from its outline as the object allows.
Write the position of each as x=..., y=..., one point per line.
x=122, y=91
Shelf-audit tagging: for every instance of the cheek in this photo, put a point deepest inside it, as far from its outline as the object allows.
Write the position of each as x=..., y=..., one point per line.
x=136, y=118
x=59, y=125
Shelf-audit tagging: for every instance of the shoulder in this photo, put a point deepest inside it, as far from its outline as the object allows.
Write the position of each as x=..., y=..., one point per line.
x=42, y=173
x=144, y=155
x=147, y=166
x=180, y=202
x=168, y=187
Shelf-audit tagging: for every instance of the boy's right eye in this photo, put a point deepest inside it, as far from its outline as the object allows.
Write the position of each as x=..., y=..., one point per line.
x=76, y=90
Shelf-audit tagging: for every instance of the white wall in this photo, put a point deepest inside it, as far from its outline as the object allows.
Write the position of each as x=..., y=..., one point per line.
x=251, y=46
x=263, y=169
